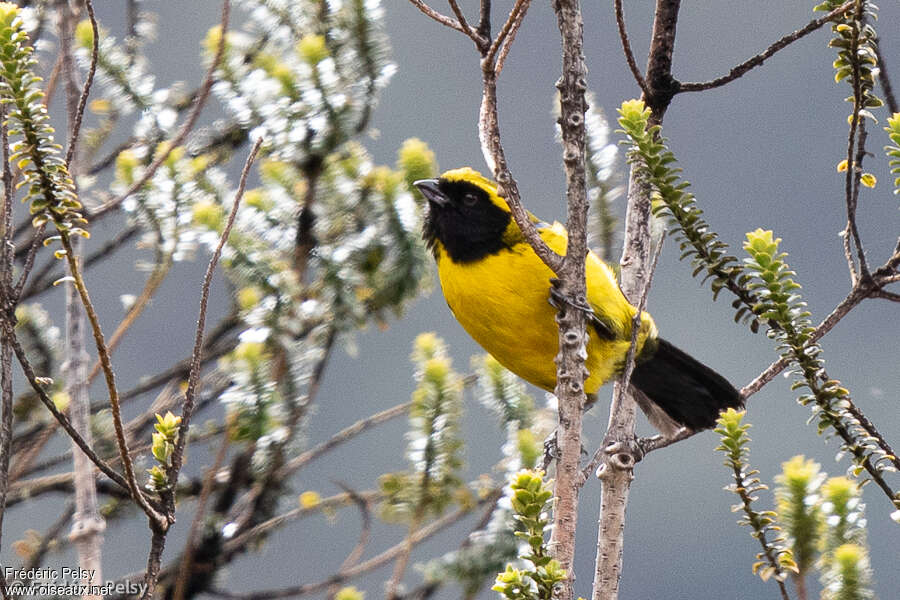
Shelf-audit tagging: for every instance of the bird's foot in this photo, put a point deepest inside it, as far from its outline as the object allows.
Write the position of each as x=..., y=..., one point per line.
x=558, y=299
x=551, y=449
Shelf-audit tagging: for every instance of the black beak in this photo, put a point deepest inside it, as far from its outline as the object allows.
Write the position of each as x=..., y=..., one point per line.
x=431, y=191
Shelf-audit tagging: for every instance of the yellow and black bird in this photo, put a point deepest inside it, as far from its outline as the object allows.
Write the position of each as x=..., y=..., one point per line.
x=499, y=291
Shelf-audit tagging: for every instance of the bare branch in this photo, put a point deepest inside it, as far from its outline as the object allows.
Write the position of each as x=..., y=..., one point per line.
x=885, y=81
x=515, y=22
x=620, y=446
x=43, y=280
x=484, y=20
x=239, y=541
x=757, y=60
x=440, y=18
x=344, y=435
x=188, y=406
x=507, y=35
x=364, y=567
x=85, y=92
x=59, y=416
x=626, y=47
x=187, y=558
x=366, y=529
x=466, y=28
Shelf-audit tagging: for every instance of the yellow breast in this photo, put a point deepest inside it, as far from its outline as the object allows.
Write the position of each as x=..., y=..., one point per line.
x=501, y=300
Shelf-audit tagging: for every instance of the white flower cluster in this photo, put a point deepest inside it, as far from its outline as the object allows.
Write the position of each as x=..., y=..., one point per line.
x=309, y=96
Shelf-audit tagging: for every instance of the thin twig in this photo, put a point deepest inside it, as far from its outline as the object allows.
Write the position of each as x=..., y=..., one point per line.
x=87, y=523
x=344, y=435
x=239, y=541
x=854, y=172
x=7, y=304
x=758, y=59
x=507, y=34
x=43, y=281
x=109, y=377
x=143, y=300
x=365, y=530
x=194, y=374
x=515, y=24
x=36, y=240
x=440, y=18
x=86, y=91
x=364, y=567
x=59, y=416
x=855, y=296
x=466, y=28
x=626, y=47
x=187, y=558
x=885, y=81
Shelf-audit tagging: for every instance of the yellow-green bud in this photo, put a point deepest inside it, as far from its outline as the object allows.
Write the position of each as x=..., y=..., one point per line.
x=437, y=369
x=312, y=49
x=798, y=471
x=161, y=448
x=209, y=214
x=212, y=39
x=248, y=297
x=84, y=34
x=848, y=555
x=8, y=13
x=256, y=198
x=126, y=163
x=250, y=352
x=310, y=499
x=384, y=180
x=416, y=160
x=349, y=593
x=168, y=425
x=61, y=401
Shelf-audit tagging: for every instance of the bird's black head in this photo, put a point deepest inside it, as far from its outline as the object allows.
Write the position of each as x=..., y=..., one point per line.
x=466, y=217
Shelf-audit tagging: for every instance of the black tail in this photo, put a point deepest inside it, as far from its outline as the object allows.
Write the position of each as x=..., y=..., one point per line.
x=688, y=391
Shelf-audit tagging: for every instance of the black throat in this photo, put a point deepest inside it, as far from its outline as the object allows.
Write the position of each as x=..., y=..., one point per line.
x=469, y=226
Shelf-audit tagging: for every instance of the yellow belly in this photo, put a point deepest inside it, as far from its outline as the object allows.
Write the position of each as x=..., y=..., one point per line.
x=502, y=302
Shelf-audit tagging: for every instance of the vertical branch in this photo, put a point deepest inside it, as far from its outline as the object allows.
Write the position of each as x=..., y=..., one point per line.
x=87, y=524
x=7, y=251
x=571, y=319
x=621, y=451
x=617, y=470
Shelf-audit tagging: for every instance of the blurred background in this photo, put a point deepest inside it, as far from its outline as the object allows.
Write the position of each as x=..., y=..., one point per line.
x=759, y=152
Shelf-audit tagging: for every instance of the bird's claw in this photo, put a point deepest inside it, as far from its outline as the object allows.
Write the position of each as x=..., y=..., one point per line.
x=551, y=449
x=558, y=299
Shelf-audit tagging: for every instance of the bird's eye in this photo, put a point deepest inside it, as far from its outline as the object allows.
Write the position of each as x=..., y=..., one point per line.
x=470, y=199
